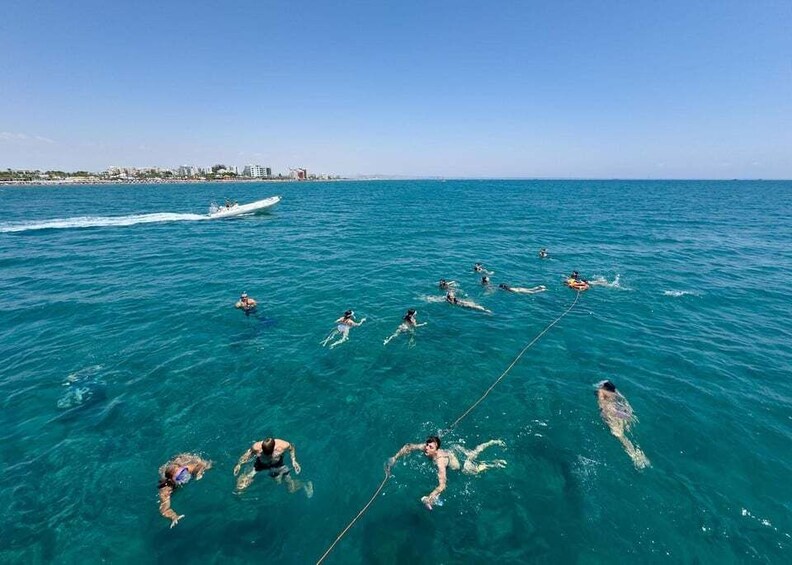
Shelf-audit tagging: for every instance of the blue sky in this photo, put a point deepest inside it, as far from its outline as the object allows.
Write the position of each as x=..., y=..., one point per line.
x=520, y=88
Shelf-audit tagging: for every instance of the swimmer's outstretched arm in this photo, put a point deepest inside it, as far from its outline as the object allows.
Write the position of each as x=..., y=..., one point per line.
x=406, y=448
x=165, y=505
x=295, y=464
x=244, y=459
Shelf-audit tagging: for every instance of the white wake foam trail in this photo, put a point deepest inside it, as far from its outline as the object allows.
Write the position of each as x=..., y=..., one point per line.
x=100, y=222
x=678, y=293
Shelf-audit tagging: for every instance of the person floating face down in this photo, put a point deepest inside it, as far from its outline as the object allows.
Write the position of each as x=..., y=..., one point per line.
x=617, y=413
x=408, y=324
x=445, y=459
x=269, y=454
x=174, y=475
x=343, y=325
x=451, y=298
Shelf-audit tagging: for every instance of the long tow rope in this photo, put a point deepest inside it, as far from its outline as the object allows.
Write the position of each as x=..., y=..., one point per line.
x=452, y=426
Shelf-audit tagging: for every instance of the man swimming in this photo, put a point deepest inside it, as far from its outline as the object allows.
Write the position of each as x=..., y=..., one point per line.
x=522, y=290
x=485, y=280
x=618, y=414
x=245, y=303
x=446, y=285
x=445, y=458
x=175, y=474
x=269, y=457
x=479, y=268
x=543, y=253
x=452, y=299
x=409, y=323
x=343, y=324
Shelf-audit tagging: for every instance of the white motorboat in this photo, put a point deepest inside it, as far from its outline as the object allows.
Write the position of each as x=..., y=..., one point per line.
x=235, y=209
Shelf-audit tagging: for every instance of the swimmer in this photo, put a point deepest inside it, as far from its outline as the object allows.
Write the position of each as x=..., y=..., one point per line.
x=269, y=457
x=343, y=324
x=485, y=280
x=543, y=253
x=446, y=458
x=245, y=303
x=452, y=299
x=522, y=290
x=175, y=474
x=479, y=268
x=446, y=285
x=618, y=414
x=409, y=323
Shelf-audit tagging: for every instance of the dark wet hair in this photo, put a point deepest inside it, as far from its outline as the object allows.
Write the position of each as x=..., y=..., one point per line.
x=167, y=480
x=609, y=386
x=348, y=314
x=268, y=446
x=434, y=439
x=503, y=286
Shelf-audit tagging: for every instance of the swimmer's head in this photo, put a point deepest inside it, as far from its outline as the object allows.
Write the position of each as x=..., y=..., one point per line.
x=167, y=480
x=609, y=386
x=411, y=312
x=268, y=446
x=485, y=279
x=503, y=286
x=243, y=295
x=432, y=445
x=348, y=314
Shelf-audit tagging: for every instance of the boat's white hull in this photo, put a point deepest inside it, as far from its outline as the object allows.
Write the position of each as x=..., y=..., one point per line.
x=241, y=209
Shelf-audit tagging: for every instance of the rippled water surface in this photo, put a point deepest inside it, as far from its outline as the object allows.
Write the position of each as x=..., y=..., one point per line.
x=120, y=347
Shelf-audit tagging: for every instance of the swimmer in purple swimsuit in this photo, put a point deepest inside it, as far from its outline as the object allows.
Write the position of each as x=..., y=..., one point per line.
x=175, y=474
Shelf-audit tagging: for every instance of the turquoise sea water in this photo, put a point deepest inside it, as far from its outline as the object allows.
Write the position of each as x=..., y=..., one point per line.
x=120, y=347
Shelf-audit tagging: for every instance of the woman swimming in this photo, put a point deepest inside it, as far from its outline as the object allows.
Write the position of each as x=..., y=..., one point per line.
x=522, y=290
x=452, y=299
x=409, y=323
x=175, y=474
x=618, y=414
x=343, y=324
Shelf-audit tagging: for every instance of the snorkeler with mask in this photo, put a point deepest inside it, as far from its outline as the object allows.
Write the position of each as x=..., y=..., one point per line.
x=175, y=474
x=343, y=324
x=446, y=458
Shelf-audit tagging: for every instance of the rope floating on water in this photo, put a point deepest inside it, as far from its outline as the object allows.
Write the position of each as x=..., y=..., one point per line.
x=450, y=428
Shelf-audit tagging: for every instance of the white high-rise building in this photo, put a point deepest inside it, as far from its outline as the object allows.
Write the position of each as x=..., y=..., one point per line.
x=255, y=171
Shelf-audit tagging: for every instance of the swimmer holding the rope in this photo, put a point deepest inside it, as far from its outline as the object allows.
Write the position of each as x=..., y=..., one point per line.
x=446, y=458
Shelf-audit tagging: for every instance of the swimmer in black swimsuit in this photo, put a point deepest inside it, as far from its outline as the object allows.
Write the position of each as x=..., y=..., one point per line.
x=269, y=457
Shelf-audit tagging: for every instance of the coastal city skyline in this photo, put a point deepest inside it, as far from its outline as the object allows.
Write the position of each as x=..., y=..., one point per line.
x=529, y=90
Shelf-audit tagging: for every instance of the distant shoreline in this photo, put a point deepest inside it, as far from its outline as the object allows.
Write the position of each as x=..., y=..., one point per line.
x=84, y=182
